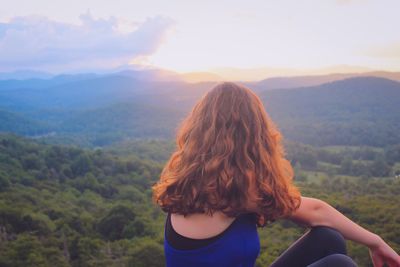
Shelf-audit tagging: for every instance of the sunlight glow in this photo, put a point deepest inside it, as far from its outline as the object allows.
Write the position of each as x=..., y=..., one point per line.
x=285, y=34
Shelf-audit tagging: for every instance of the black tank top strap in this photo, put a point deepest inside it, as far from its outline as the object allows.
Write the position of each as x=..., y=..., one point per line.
x=179, y=241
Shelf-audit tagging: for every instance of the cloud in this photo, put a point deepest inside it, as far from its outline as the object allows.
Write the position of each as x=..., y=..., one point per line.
x=344, y=2
x=40, y=43
x=389, y=51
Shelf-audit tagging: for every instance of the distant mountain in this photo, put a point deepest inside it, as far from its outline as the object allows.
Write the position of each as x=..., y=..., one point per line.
x=297, y=82
x=98, y=107
x=85, y=93
x=134, y=71
x=305, y=81
x=24, y=75
x=149, y=75
x=355, y=111
x=260, y=73
x=34, y=83
x=160, y=75
x=395, y=76
x=101, y=109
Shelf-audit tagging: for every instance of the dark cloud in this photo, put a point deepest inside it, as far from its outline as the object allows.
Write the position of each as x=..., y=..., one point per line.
x=40, y=43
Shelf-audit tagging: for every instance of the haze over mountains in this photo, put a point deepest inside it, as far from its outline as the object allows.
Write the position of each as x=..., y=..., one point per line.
x=100, y=109
x=218, y=74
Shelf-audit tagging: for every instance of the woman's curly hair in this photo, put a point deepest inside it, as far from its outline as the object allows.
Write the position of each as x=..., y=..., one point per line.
x=229, y=158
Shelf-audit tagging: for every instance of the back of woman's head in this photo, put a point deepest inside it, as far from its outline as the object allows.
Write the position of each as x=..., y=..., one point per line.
x=229, y=158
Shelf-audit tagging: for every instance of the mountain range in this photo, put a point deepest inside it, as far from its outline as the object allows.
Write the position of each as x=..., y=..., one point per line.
x=99, y=109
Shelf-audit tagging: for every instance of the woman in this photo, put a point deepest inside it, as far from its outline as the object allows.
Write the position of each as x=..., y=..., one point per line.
x=228, y=176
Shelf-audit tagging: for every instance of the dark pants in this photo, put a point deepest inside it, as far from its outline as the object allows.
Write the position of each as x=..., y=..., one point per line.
x=320, y=247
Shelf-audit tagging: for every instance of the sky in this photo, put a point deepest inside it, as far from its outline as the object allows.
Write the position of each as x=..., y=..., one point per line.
x=206, y=35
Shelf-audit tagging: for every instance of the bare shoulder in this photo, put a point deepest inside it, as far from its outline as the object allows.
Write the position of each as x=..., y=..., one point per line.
x=200, y=225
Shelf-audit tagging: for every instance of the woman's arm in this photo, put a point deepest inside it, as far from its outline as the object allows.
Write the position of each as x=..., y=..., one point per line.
x=313, y=212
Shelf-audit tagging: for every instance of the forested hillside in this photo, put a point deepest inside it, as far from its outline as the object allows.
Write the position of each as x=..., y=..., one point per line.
x=356, y=111
x=64, y=206
x=67, y=206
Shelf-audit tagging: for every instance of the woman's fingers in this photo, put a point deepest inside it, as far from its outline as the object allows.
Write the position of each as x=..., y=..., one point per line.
x=376, y=259
x=394, y=262
x=378, y=262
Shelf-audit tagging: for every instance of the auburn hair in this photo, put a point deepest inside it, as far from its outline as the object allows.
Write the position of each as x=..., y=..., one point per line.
x=229, y=158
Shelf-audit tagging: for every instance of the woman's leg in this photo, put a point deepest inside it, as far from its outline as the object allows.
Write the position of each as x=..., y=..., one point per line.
x=317, y=243
x=334, y=260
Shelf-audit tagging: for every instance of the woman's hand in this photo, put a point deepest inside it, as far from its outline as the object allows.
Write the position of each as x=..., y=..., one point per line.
x=383, y=253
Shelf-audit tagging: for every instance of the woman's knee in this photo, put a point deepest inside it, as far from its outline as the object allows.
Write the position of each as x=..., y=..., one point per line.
x=334, y=260
x=330, y=237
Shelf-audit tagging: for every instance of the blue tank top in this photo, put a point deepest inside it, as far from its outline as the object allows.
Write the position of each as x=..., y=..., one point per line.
x=239, y=246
